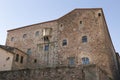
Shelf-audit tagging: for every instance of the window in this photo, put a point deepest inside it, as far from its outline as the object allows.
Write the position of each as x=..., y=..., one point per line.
x=12, y=39
x=37, y=33
x=17, y=58
x=85, y=60
x=25, y=35
x=46, y=48
x=7, y=58
x=99, y=14
x=71, y=61
x=64, y=42
x=84, y=39
x=47, y=31
x=29, y=51
x=80, y=22
x=21, y=61
x=46, y=38
x=35, y=60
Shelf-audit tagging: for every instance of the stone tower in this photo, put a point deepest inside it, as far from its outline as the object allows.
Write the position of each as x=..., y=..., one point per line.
x=80, y=37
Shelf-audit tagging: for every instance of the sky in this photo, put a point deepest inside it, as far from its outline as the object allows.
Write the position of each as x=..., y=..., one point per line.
x=19, y=13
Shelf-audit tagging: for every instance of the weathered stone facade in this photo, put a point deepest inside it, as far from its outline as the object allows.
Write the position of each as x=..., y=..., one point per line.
x=80, y=37
x=90, y=72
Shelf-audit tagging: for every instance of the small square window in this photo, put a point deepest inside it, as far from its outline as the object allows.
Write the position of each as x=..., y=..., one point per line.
x=12, y=39
x=99, y=14
x=80, y=22
x=84, y=39
x=46, y=38
x=7, y=58
x=64, y=43
x=46, y=48
x=24, y=35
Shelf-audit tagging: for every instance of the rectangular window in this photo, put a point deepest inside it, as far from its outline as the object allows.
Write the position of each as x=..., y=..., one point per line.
x=64, y=43
x=46, y=48
x=21, y=61
x=71, y=61
x=17, y=58
x=35, y=60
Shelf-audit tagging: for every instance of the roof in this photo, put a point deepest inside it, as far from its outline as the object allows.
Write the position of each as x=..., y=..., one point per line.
x=10, y=49
x=7, y=48
x=56, y=19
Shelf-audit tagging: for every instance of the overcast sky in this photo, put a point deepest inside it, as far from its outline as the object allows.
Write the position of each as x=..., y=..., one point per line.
x=18, y=13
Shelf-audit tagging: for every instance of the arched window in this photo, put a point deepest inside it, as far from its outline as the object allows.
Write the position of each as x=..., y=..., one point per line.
x=85, y=60
x=84, y=39
x=64, y=42
x=37, y=33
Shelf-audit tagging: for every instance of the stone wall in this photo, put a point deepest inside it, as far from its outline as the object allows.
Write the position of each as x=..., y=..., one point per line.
x=6, y=59
x=90, y=72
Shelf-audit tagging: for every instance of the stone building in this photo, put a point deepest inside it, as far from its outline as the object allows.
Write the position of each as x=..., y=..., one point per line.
x=79, y=38
x=12, y=58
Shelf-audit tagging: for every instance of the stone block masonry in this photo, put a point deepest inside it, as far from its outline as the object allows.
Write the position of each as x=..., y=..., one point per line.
x=89, y=72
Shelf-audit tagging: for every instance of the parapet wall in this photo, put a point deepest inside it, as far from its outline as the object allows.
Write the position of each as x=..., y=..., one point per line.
x=63, y=73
